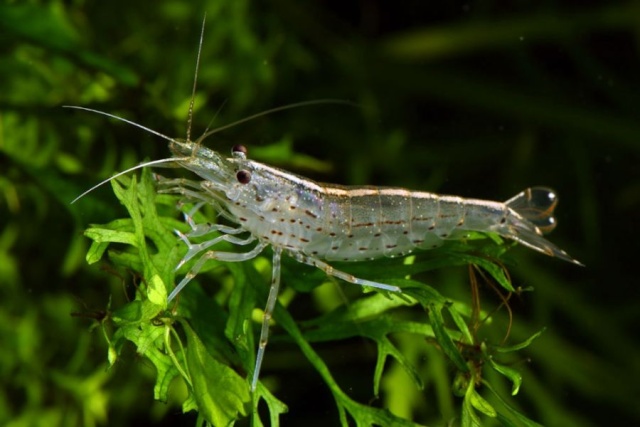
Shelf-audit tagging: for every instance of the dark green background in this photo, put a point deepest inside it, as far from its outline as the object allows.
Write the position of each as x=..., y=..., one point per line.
x=479, y=99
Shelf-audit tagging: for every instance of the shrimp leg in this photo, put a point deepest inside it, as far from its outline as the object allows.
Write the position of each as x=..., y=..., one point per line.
x=195, y=249
x=268, y=313
x=220, y=256
x=329, y=270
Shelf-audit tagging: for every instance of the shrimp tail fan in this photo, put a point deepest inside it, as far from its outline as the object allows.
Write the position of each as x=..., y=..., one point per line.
x=533, y=209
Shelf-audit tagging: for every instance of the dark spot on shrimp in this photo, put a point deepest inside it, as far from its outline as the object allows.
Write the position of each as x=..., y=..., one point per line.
x=302, y=239
x=311, y=214
x=391, y=246
x=432, y=227
x=377, y=235
x=243, y=176
x=444, y=235
x=319, y=229
x=363, y=224
x=503, y=220
x=242, y=219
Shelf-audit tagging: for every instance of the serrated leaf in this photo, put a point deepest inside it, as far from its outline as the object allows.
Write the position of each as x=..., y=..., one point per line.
x=189, y=404
x=221, y=394
x=145, y=336
x=165, y=373
x=276, y=407
x=386, y=348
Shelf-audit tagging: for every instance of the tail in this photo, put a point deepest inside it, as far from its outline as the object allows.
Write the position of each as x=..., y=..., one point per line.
x=533, y=217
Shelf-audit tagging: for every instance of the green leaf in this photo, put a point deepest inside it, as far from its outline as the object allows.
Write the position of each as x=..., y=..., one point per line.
x=469, y=416
x=512, y=374
x=444, y=339
x=521, y=345
x=157, y=292
x=166, y=372
x=95, y=252
x=481, y=404
x=104, y=235
x=221, y=394
x=238, y=329
x=128, y=313
x=276, y=407
x=208, y=319
x=513, y=413
x=495, y=270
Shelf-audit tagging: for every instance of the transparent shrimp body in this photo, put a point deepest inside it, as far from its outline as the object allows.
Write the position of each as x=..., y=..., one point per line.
x=318, y=223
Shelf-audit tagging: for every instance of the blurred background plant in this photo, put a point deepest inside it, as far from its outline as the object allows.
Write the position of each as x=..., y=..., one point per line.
x=475, y=99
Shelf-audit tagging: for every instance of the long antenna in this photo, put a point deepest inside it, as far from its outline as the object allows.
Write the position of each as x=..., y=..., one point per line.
x=195, y=82
x=275, y=110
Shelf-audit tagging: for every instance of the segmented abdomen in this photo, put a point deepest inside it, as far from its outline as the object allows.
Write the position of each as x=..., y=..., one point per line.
x=358, y=223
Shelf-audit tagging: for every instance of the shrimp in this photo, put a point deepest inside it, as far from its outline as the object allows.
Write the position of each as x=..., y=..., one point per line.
x=316, y=223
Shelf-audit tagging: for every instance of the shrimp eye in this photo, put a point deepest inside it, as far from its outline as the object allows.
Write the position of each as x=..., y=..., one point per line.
x=239, y=150
x=243, y=176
